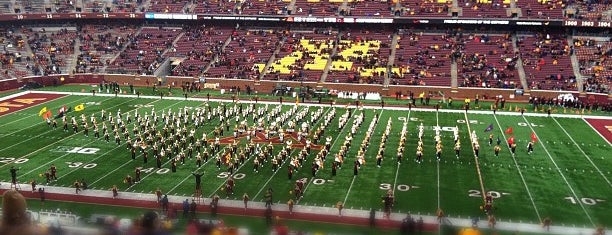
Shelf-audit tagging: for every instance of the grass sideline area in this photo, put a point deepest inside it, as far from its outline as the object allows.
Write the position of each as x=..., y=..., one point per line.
x=562, y=178
x=389, y=101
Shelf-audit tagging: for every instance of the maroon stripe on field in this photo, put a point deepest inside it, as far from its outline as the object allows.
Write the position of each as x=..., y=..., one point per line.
x=252, y=212
x=25, y=101
x=603, y=126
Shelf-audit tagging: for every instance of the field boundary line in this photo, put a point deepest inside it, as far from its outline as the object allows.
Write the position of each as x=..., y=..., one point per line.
x=519, y=171
x=482, y=188
x=559, y=170
x=31, y=116
x=36, y=105
x=10, y=146
x=583, y=153
x=66, y=154
x=503, y=113
x=52, y=144
x=8, y=97
x=596, y=131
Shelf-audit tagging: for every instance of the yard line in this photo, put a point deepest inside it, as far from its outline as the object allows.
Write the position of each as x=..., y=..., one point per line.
x=438, y=166
x=52, y=144
x=272, y=177
x=36, y=136
x=349, y=190
x=604, y=138
x=398, y=164
x=316, y=124
x=320, y=119
x=559, y=170
x=482, y=189
x=29, y=116
x=519, y=171
x=351, y=186
x=91, y=142
x=583, y=153
x=121, y=167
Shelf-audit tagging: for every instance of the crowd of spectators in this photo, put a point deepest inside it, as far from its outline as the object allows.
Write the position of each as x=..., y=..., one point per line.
x=546, y=61
x=53, y=48
x=595, y=64
x=487, y=61
x=422, y=58
x=99, y=44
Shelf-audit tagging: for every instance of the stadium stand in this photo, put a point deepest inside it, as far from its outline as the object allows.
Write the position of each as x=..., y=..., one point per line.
x=317, y=7
x=361, y=57
x=488, y=61
x=593, y=55
x=53, y=48
x=433, y=8
x=99, y=44
x=265, y=7
x=423, y=59
x=143, y=54
x=546, y=61
x=303, y=56
x=246, y=54
x=15, y=59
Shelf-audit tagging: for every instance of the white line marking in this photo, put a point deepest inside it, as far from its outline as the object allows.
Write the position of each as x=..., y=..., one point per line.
x=349, y=190
x=398, y=164
x=583, y=153
x=559, y=170
x=596, y=131
x=519, y=171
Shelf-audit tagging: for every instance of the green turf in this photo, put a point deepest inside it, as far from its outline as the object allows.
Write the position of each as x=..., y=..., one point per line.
x=457, y=104
x=419, y=188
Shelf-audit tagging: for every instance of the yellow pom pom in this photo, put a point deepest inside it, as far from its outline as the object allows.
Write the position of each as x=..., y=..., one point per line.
x=481, y=207
x=290, y=192
x=40, y=175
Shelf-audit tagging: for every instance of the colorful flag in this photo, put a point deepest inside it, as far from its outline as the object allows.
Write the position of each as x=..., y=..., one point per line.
x=489, y=128
x=509, y=130
x=42, y=111
x=61, y=111
x=511, y=140
x=534, y=138
x=79, y=107
x=47, y=115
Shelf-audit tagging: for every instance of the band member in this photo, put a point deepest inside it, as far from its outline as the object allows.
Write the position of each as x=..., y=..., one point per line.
x=53, y=170
x=497, y=149
x=530, y=147
x=115, y=191
x=137, y=173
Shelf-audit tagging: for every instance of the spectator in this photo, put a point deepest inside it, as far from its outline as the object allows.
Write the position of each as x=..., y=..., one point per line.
x=14, y=217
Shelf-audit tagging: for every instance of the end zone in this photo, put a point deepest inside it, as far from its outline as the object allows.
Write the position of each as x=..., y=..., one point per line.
x=24, y=101
x=602, y=126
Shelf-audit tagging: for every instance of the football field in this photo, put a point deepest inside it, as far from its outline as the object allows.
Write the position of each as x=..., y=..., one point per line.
x=566, y=178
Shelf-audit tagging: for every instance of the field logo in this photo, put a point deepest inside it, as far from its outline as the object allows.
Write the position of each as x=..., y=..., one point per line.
x=25, y=101
x=79, y=150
